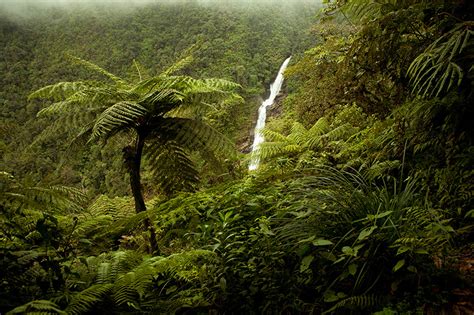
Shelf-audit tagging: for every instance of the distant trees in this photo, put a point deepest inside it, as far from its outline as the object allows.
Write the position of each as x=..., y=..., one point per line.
x=230, y=36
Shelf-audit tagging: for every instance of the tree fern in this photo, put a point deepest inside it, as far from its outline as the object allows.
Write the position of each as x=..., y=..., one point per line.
x=163, y=108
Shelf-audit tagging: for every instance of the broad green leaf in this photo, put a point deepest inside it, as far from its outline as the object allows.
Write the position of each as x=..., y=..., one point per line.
x=421, y=251
x=352, y=269
x=322, y=242
x=366, y=233
x=412, y=269
x=330, y=296
x=348, y=250
x=402, y=249
x=378, y=215
x=398, y=265
x=306, y=262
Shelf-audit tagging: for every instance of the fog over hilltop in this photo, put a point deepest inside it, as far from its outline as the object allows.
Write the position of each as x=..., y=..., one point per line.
x=27, y=8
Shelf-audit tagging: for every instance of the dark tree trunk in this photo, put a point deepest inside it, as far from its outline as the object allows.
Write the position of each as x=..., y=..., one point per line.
x=133, y=159
x=135, y=179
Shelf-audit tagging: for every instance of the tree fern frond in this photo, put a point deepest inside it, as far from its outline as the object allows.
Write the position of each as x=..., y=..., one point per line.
x=117, y=207
x=319, y=128
x=360, y=302
x=364, y=9
x=38, y=307
x=89, y=227
x=93, y=67
x=16, y=195
x=60, y=91
x=120, y=262
x=298, y=134
x=83, y=301
x=179, y=65
x=194, y=134
x=271, y=135
x=198, y=95
x=340, y=132
x=268, y=150
x=172, y=167
x=119, y=116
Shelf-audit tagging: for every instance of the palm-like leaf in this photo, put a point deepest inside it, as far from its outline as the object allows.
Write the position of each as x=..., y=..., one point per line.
x=14, y=195
x=95, y=68
x=439, y=68
x=172, y=167
x=120, y=116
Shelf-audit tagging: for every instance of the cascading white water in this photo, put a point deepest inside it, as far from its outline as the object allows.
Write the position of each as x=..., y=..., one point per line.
x=262, y=115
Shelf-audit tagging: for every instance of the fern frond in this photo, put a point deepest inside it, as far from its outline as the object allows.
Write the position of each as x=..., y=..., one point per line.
x=271, y=135
x=319, y=128
x=42, y=198
x=360, y=302
x=180, y=64
x=90, y=226
x=83, y=301
x=172, y=167
x=38, y=307
x=95, y=68
x=194, y=135
x=119, y=116
x=117, y=207
x=60, y=91
x=269, y=150
x=198, y=95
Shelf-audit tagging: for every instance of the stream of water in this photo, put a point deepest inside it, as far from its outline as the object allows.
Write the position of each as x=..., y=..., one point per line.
x=275, y=88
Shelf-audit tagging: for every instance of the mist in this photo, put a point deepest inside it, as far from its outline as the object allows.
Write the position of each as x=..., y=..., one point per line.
x=27, y=8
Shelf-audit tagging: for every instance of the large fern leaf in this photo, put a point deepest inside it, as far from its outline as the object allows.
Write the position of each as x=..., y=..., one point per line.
x=119, y=116
x=38, y=307
x=172, y=167
x=93, y=67
x=83, y=301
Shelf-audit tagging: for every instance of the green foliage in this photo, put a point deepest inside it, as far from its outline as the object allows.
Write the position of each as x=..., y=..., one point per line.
x=38, y=307
x=435, y=71
x=83, y=301
x=363, y=203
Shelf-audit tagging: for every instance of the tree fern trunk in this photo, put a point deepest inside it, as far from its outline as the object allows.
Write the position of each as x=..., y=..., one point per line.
x=133, y=159
x=135, y=180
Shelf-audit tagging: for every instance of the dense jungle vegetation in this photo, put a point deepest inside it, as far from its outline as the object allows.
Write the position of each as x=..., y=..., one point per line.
x=126, y=130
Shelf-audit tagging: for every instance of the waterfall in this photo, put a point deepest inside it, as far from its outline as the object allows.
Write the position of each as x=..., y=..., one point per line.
x=262, y=115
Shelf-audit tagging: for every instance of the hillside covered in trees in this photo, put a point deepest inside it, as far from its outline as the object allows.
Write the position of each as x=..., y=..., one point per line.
x=126, y=130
